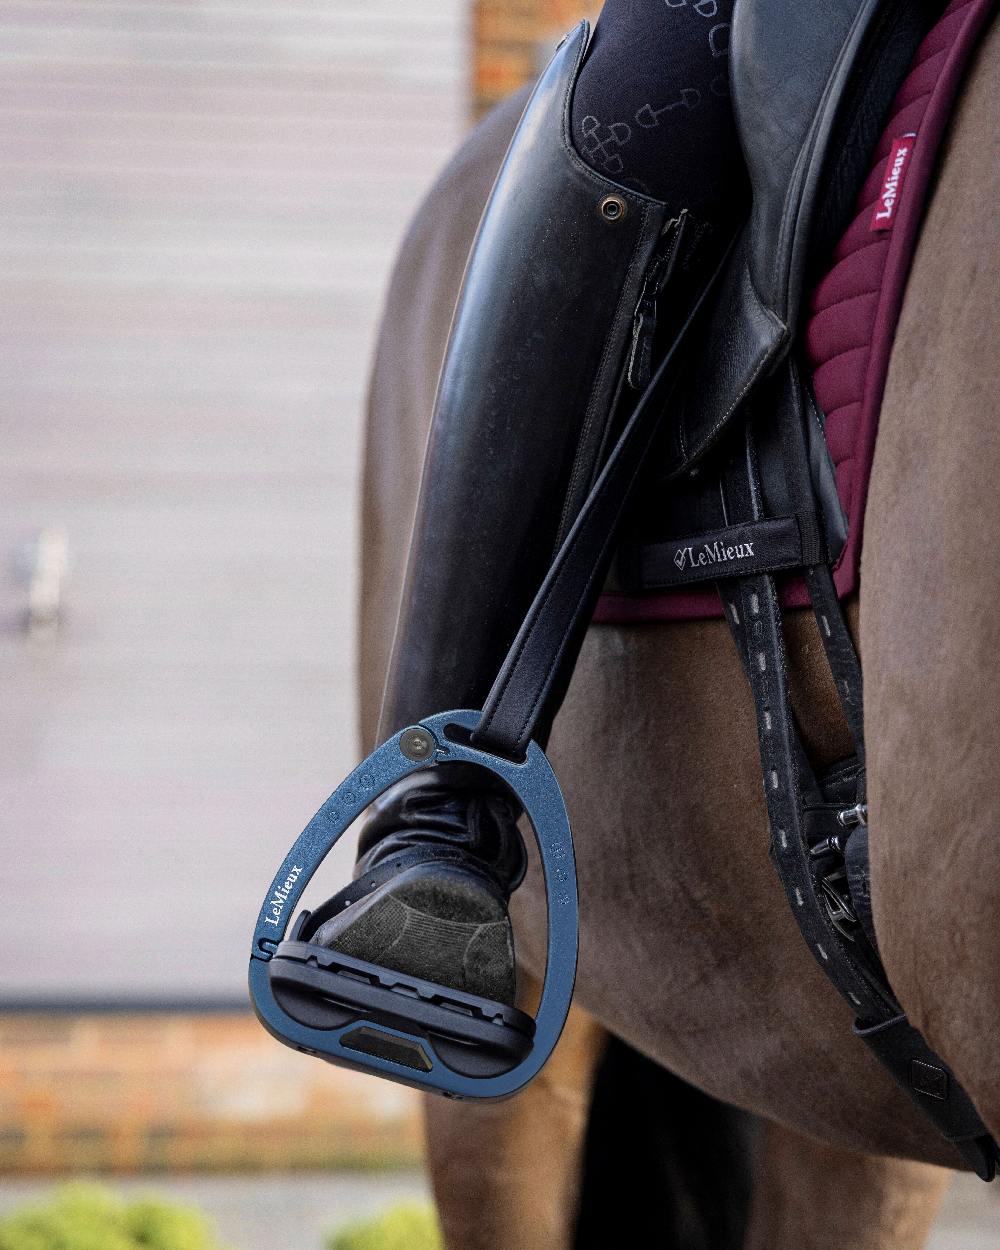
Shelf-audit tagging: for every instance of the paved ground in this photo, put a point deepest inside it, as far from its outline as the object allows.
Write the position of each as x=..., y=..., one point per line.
x=244, y=1207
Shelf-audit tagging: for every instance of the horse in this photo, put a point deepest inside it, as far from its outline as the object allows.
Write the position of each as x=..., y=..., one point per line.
x=688, y=952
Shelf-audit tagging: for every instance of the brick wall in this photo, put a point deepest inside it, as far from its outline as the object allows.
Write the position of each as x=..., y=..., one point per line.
x=135, y=1093
x=513, y=39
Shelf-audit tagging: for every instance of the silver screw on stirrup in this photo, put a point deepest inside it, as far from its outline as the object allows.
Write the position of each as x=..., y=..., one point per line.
x=416, y=744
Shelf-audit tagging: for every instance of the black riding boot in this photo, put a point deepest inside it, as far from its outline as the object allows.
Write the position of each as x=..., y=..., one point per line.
x=551, y=343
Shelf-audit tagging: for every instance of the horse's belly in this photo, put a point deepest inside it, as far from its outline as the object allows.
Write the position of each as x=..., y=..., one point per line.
x=688, y=950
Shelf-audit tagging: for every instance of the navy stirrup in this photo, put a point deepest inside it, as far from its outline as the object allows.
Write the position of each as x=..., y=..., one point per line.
x=364, y=1016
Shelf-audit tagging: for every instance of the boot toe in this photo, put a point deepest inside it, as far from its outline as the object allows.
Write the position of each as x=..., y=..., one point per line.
x=439, y=922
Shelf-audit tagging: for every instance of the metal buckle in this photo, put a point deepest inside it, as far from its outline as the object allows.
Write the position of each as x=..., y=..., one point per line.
x=852, y=817
x=836, y=895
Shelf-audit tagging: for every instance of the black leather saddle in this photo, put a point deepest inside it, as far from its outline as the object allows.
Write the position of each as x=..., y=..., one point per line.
x=811, y=86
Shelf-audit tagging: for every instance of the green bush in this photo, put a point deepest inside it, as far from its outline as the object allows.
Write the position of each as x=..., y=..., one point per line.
x=89, y=1217
x=412, y=1226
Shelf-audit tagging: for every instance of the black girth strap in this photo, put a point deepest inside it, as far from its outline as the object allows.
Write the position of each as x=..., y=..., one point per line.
x=813, y=820
x=765, y=546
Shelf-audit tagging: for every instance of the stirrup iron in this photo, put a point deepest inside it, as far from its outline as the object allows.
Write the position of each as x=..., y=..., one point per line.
x=363, y=1016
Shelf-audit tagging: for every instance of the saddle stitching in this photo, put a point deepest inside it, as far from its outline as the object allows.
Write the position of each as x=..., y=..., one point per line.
x=842, y=301
x=831, y=413
x=848, y=255
x=846, y=351
x=798, y=183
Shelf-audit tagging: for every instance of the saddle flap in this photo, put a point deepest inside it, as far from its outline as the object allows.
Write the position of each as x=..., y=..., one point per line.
x=790, y=69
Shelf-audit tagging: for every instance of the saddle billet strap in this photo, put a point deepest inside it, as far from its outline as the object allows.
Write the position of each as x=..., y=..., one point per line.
x=803, y=481
x=841, y=655
x=537, y=667
x=754, y=613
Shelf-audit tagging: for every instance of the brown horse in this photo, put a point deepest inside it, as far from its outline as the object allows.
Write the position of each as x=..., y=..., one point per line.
x=688, y=951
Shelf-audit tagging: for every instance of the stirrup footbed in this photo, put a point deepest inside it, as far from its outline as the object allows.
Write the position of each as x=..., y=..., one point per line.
x=395, y=1016
x=434, y=921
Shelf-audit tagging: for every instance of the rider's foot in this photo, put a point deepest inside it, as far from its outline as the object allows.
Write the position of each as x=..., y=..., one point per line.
x=440, y=855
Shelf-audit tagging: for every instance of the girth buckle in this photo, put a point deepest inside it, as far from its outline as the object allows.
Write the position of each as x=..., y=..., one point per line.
x=852, y=817
x=837, y=896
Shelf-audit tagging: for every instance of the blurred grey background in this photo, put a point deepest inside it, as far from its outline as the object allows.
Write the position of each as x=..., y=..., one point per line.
x=201, y=203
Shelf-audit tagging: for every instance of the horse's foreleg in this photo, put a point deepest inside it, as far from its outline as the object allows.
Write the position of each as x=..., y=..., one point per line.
x=810, y=1195
x=507, y=1173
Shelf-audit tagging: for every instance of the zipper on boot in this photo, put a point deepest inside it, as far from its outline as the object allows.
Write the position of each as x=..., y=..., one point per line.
x=644, y=320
